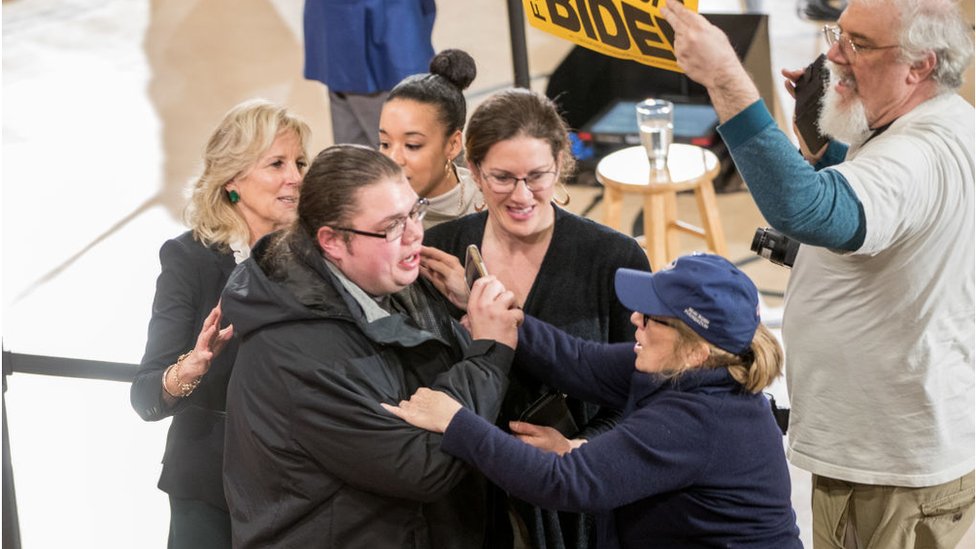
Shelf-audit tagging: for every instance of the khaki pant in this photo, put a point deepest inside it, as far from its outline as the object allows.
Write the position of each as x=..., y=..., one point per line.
x=848, y=515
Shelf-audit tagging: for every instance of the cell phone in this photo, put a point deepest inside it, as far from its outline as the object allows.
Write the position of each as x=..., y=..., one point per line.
x=810, y=88
x=474, y=266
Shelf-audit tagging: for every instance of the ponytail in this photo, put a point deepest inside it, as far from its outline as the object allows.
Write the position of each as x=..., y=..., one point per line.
x=766, y=364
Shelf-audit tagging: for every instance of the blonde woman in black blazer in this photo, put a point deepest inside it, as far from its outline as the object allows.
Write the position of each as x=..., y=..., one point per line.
x=253, y=168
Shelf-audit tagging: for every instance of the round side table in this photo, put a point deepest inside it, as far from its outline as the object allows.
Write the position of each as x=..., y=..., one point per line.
x=690, y=167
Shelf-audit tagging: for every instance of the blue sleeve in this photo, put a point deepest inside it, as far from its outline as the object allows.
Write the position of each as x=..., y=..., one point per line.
x=644, y=455
x=835, y=154
x=590, y=371
x=818, y=208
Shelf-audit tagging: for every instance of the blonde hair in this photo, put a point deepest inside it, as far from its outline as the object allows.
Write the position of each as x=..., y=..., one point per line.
x=245, y=133
x=754, y=369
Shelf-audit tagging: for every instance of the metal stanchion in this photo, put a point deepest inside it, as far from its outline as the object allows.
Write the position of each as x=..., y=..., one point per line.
x=11, y=522
x=520, y=55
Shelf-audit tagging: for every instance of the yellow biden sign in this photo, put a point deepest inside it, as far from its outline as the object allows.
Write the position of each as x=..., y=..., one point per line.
x=628, y=29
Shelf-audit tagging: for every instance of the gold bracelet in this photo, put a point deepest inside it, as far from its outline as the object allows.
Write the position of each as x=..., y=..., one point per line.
x=165, y=376
x=186, y=388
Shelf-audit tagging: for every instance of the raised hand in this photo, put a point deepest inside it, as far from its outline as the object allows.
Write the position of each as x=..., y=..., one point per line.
x=446, y=273
x=210, y=342
x=707, y=57
x=791, y=78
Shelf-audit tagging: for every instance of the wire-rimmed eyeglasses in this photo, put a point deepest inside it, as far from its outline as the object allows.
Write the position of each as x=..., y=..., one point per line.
x=396, y=228
x=833, y=35
x=503, y=183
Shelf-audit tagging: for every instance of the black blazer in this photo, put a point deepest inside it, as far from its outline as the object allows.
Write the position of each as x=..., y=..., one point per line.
x=187, y=289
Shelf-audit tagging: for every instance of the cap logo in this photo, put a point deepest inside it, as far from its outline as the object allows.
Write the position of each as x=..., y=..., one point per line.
x=696, y=317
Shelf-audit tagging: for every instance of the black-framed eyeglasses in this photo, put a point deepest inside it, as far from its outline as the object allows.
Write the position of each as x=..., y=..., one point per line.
x=833, y=35
x=396, y=228
x=656, y=320
x=504, y=183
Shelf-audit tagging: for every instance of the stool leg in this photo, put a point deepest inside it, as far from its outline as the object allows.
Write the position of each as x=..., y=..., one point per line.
x=611, y=205
x=670, y=224
x=711, y=223
x=655, y=230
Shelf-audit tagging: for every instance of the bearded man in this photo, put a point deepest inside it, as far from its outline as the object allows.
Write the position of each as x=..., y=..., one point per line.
x=879, y=311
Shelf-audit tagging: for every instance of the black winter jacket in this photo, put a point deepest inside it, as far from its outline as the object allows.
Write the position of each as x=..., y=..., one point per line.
x=311, y=458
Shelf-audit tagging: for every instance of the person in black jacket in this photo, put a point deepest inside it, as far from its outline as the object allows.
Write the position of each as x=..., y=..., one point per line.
x=253, y=167
x=333, y=321
x=696, y=461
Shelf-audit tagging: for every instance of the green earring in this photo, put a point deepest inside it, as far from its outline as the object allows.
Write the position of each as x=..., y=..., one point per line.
x=233, y=196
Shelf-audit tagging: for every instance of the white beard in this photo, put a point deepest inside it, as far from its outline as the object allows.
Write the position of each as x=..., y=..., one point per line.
x=844, y=122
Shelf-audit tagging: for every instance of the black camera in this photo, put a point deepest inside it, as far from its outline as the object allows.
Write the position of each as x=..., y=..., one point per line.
x=775, y=246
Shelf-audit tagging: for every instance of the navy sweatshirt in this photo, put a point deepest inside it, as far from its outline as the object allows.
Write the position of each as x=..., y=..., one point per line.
x=696, y=461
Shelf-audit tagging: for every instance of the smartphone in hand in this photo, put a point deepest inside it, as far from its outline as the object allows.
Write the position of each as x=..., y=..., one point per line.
x=810, y=89
x=474, y=266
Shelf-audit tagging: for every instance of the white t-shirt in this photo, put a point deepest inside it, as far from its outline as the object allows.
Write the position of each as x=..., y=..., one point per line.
x=880, y=342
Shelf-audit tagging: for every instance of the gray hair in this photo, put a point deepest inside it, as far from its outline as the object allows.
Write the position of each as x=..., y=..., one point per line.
x=937, y=26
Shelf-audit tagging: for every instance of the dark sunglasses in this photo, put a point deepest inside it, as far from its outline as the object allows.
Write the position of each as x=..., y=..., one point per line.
x=660, y=321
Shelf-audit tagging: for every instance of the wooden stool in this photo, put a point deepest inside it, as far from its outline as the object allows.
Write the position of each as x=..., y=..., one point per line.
x=689, y=167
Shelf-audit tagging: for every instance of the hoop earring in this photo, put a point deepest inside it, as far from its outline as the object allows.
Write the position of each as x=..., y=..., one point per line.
x=480, y=207
x=564, y=201
x=233, y=196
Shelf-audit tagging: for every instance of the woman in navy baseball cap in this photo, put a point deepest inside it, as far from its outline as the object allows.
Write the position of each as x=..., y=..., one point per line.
x=709, y=309
x=696, y=461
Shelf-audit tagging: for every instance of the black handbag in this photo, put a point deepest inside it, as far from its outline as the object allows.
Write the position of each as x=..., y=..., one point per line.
x=551, y=410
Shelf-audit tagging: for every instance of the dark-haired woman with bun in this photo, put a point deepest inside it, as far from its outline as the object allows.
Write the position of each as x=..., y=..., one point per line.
x=420, y=129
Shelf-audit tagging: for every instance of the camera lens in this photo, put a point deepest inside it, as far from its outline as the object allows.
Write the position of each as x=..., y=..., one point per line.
x=774, y=246
x=758, y=241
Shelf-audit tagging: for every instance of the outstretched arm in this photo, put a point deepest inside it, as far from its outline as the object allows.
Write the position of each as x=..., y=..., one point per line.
x=642, y=456
x=596, y=372
x=816, y=208
x=445, y=272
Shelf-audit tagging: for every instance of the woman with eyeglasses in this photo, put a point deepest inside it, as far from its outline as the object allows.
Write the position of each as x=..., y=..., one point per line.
x=252, y=172
x=559, y=265
x=420, y=129
x=696, y=461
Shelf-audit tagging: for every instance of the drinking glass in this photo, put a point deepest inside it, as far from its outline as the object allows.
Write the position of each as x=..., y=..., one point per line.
x=655, y=118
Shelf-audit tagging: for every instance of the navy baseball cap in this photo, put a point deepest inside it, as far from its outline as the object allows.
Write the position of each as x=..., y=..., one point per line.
x=705, y=291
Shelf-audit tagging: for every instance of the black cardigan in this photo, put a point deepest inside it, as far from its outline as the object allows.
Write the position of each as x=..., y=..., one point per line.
x=574, y=291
